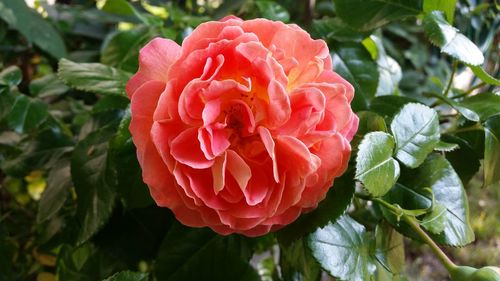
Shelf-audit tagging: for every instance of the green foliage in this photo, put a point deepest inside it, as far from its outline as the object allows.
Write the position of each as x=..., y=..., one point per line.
x=389, y=251
x=128, y=276
x=375, y=167
x=30, y=24
x=492, y=150
x=448, y=191
x=353, y=62
x=348, y=240
x=72, y=201
x=333, y=206
x=450, y=40
x=95, y=184
x=214, y=257
x=10, y=76
x=416, y=132
x=93, y=77
x=272, y=10
x=446, y=6
x=26, y=114
x=370, y=14
x=296, y=261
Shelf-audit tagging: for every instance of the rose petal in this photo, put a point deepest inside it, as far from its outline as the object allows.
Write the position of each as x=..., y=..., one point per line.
x=219, y=172
x=154, y=61
x=143, y=105
x=239, y=169
x=268, y=142
x=186, y=149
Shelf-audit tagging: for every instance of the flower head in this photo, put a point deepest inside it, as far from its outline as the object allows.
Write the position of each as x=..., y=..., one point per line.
x=243, y=127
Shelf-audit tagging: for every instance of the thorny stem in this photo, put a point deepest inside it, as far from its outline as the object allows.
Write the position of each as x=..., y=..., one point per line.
x=450, y=81
x=412, y=222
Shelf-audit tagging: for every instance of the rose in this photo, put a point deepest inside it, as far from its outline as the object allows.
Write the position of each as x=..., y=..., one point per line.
x=243, y=127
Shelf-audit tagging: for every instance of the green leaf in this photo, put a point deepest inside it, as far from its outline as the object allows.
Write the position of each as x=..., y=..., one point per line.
x=435, y=220
x=121, y=48
x=375, y=167
x=95, y=183
x=30, y=24
x=446, y=6
x=119, y=7
x=334, y=28
x=438, y=174
x=86, y=262
x=485, y=104
x=389, y=70
x=416, y=131
x=213, y=257
x=388, y=106
x=42, y=152
x=466, y=112
x=333, y=206
x=370, y=121
x=11, y=76
x=407, y=198
x=484, y=76
x=343, y=250
x=491, y=162
x=297, y=263
x=47, y=86
x=465, y=160
x=27, y=114
x=408, y=201
x=371, y=14
x=6, y=101
x=445, y=146
x=128, y=276
x=93, y=77
x=119, y=236
x=131, y=188
x=58, y=186
x=390, y=252
x=272, y=10
x=353, y=62
x=110, y=103
x=450, y=40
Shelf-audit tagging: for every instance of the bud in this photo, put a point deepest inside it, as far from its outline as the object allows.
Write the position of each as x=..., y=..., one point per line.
x=462, y=273
x=487, y=273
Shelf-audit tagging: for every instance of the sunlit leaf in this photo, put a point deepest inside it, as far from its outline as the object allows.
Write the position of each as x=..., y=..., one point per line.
x=343, y=250
x=450, y=40
x=93, y=77
x=435, y=220
x=446, y=6
x=416, y=131
x=437, y=173
x=375, y=167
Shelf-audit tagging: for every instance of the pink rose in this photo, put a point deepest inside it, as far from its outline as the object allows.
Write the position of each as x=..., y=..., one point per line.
x=243, y=127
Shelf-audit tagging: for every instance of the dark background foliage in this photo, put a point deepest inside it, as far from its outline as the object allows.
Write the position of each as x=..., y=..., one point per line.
x=72, y=202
